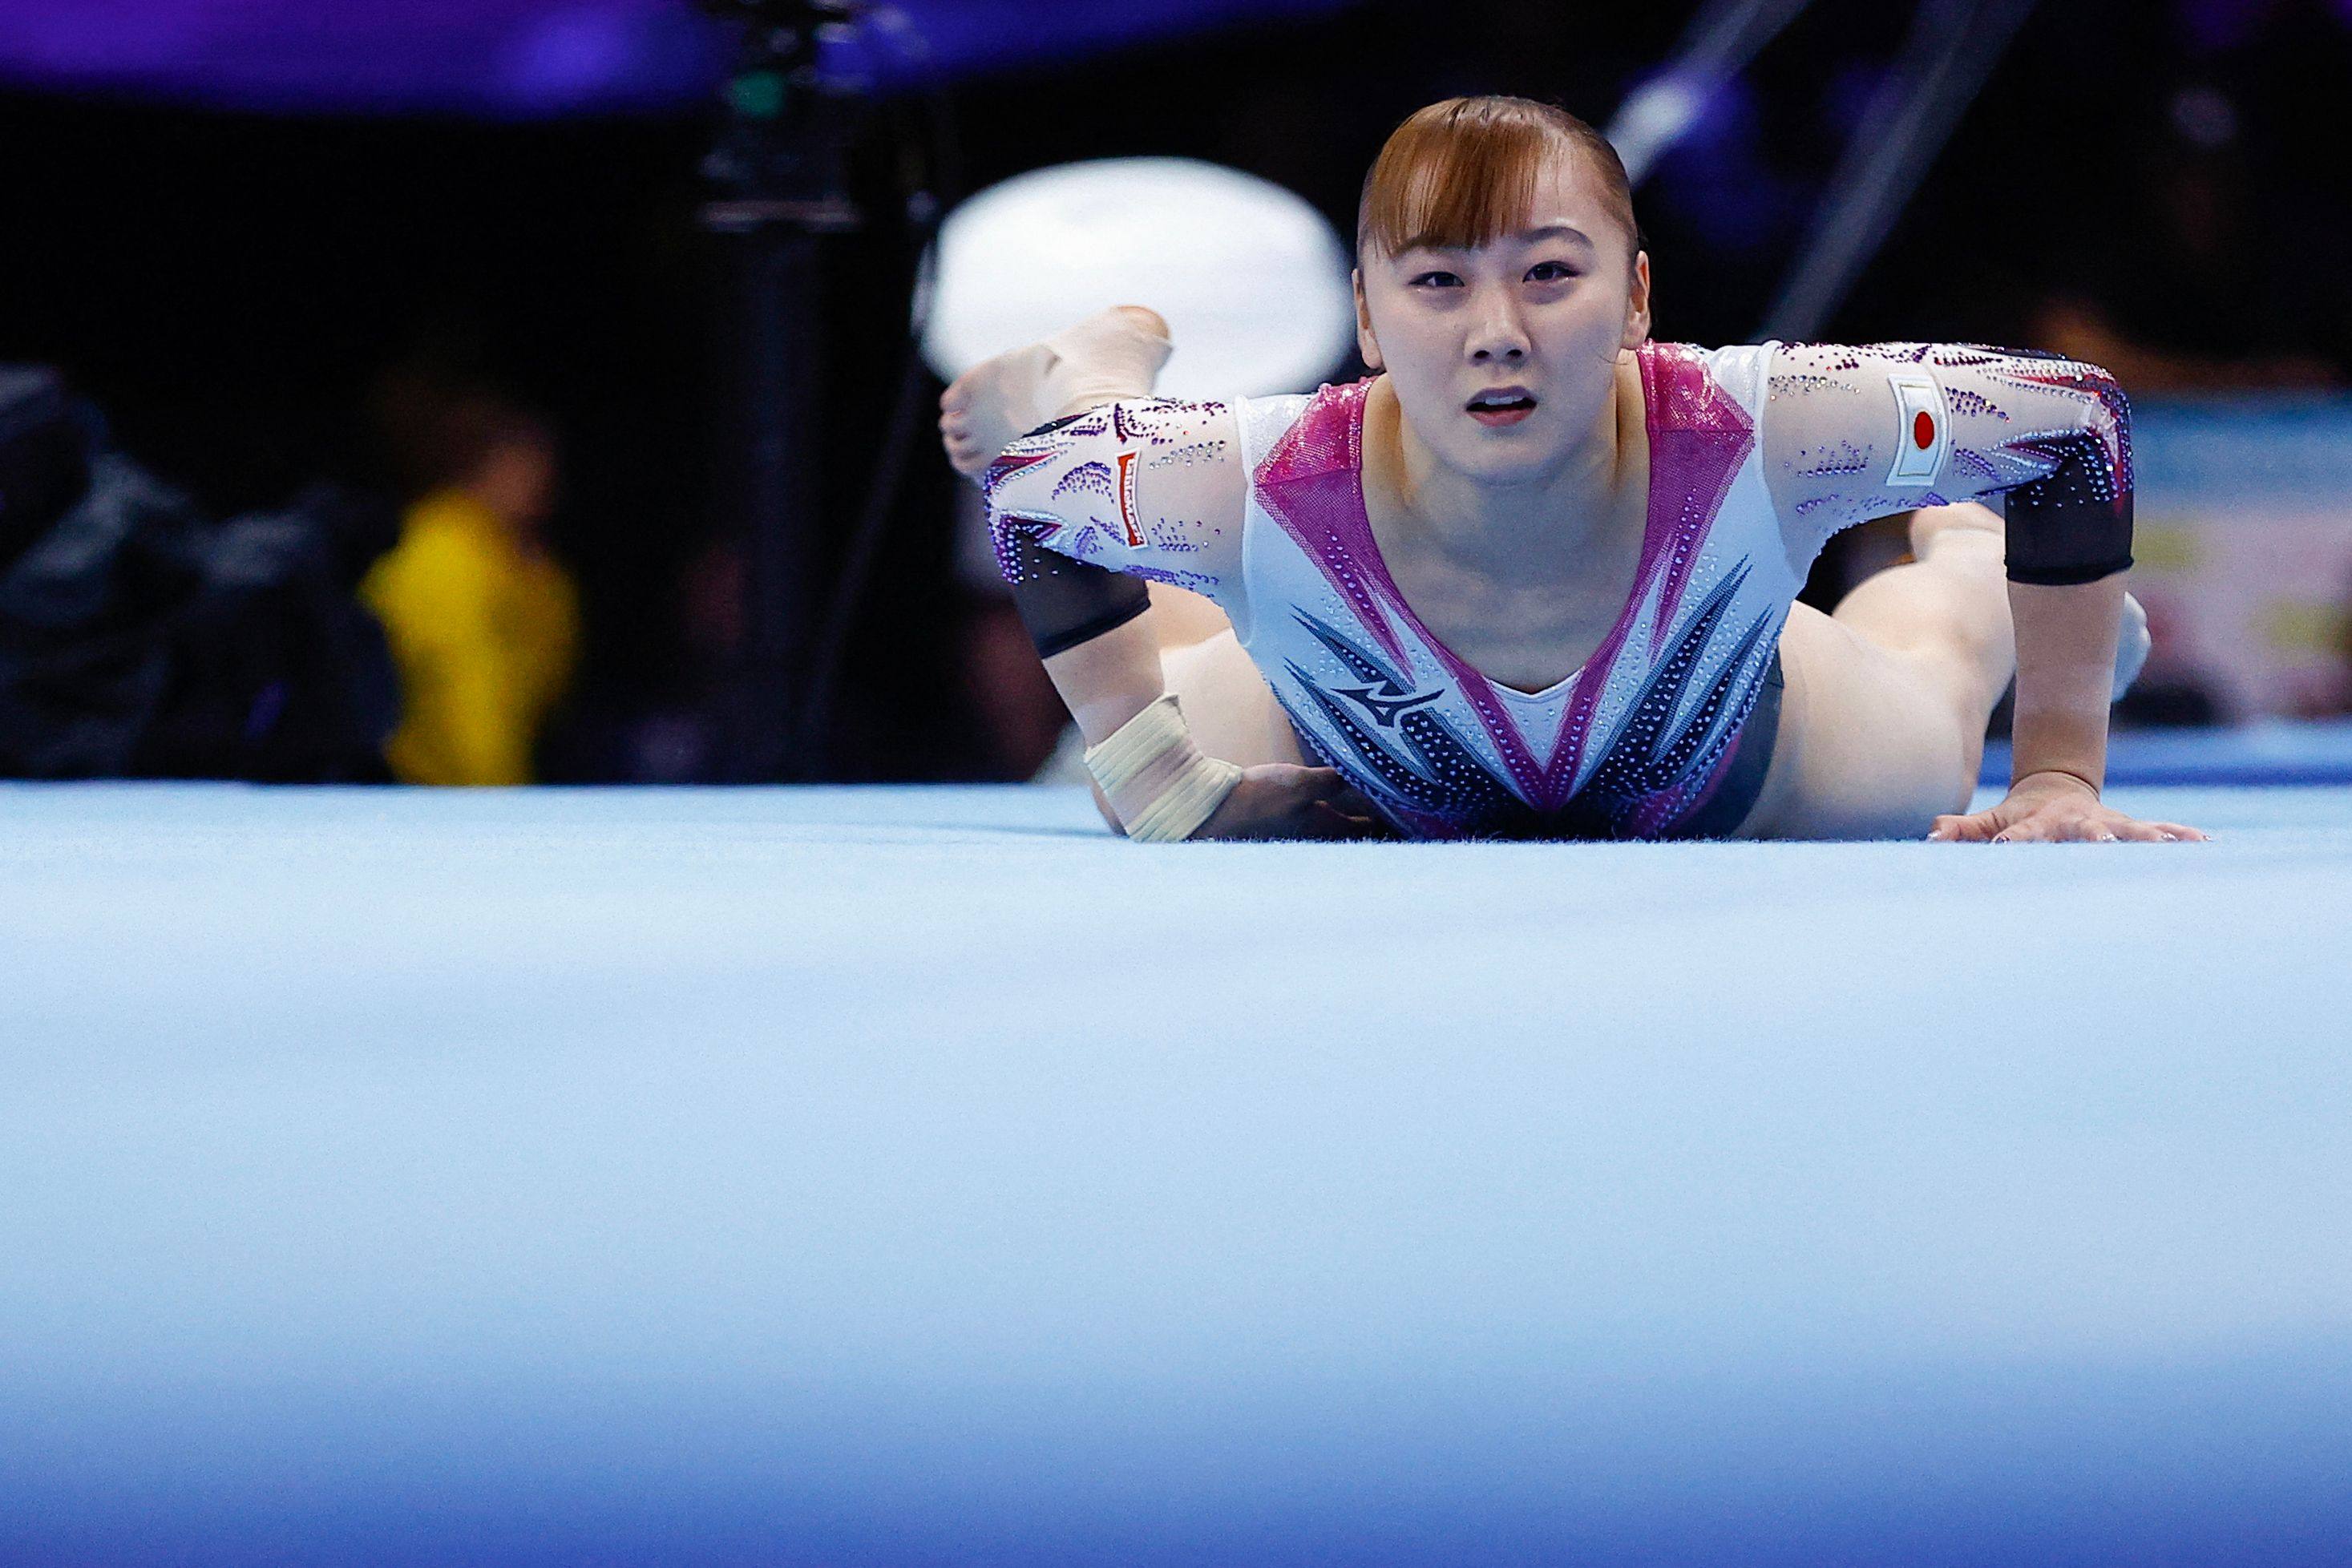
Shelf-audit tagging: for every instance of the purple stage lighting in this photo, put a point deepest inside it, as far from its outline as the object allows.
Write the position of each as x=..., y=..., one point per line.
x=527, y=59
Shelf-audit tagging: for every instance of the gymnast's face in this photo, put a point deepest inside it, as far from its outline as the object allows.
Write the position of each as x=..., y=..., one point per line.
x=1504, y=356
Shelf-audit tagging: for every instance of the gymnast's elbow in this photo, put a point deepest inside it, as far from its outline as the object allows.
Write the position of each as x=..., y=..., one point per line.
x=2072, y=522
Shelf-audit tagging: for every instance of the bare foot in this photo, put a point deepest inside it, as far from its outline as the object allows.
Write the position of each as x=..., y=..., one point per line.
x=2133, y=646
x=986, y=408
x=1110, y=354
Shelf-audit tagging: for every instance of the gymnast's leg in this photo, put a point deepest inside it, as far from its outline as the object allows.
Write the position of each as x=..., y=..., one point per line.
x=1882, y=723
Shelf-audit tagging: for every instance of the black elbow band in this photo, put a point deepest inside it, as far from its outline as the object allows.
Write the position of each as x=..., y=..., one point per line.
x=1063, y=603
x=2074, y=524
x=1111, y=619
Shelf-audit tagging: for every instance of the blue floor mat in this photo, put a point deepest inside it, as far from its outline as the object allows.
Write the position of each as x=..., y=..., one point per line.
x=925, y=1176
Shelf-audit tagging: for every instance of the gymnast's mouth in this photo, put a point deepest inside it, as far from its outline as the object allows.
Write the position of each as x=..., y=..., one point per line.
x=1502, y=405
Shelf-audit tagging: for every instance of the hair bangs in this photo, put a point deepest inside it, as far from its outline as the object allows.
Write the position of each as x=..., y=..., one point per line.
x=1462, y=174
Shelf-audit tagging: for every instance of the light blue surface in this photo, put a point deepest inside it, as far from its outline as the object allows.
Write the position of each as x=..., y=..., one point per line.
x=871, y=1176
x=2273, y=752
x=2231, y=449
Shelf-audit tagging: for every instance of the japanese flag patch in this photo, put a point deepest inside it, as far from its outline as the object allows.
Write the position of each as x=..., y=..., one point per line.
x=1924, y=436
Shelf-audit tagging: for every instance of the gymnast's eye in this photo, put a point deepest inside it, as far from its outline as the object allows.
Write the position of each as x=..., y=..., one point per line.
x=1435, y=281
x=1551, y=272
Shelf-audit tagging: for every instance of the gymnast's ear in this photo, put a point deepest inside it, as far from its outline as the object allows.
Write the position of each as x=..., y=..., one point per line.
x=1367, y=344
x=1637, y=304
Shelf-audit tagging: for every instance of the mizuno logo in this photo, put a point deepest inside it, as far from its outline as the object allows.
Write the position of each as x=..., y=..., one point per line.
x=1384, y=705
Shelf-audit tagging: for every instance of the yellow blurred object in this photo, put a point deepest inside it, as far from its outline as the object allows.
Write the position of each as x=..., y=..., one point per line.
x=485, y=633
x=2301, y=626
x=2168, y=546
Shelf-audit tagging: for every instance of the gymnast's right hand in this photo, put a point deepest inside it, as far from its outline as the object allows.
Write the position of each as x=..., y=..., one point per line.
x=1283, y=800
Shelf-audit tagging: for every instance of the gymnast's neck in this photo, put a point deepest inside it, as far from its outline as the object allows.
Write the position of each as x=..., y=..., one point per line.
x=1543, y=526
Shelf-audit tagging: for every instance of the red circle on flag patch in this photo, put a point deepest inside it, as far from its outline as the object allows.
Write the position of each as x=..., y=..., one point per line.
x=1923, y=429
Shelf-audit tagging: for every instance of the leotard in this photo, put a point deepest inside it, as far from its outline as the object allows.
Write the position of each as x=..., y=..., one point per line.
x=1758, y=455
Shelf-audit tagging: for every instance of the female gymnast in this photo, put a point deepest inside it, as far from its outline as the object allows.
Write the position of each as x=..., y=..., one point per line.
x=1535, y=577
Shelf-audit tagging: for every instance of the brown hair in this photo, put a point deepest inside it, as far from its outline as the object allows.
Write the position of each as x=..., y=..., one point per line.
x=438, y=432
x=1463, y=172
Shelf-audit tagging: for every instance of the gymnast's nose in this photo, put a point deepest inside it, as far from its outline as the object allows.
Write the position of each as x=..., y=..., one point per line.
x=1498, y=336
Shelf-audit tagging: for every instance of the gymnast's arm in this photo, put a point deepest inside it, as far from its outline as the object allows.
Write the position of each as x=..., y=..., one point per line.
x=1082, y=513
x=1088, y=508
x=1855, y=433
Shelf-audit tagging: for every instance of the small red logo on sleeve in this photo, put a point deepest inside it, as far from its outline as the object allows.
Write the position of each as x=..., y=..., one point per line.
x=1923, y=430
x=1127, y=499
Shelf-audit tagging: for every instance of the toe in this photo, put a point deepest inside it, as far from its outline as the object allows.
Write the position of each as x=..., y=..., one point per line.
x=1144, y=317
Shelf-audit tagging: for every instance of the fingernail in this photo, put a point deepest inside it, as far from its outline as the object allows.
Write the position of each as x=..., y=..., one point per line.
x=2000, y=839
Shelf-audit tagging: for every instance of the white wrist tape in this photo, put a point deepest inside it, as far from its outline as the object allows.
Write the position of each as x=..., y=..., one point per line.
x=1159, y=786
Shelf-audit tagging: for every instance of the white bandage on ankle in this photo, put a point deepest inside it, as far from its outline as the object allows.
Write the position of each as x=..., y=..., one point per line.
x=1159, y=786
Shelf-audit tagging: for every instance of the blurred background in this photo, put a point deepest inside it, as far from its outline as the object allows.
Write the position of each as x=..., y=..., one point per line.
x=385, y=384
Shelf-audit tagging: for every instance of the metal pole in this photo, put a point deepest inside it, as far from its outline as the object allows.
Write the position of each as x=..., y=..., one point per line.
x=1717, y=46
x=778, y=170
x=776, y=367
x=1952, y=47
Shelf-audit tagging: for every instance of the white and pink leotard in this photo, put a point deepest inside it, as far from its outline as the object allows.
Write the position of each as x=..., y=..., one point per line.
x=1758, y=454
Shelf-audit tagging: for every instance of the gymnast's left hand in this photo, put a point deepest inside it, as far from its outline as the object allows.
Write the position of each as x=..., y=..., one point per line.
x=2056, y=808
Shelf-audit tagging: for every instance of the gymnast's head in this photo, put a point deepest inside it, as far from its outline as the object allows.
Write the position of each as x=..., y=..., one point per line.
x=1496, y=252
